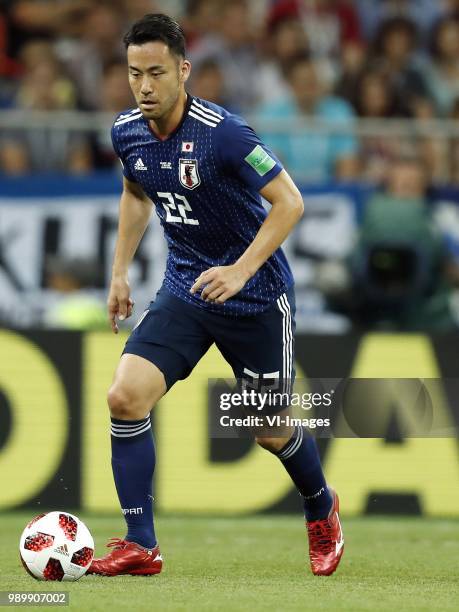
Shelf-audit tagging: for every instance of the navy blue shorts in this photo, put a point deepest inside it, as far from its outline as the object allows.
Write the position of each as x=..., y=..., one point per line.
x=174, y=335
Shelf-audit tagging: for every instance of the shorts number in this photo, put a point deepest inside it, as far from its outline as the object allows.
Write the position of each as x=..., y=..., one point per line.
x=260, y=382
x=176, y=202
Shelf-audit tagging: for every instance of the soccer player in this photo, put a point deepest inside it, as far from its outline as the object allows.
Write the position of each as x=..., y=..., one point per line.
x=227, y=282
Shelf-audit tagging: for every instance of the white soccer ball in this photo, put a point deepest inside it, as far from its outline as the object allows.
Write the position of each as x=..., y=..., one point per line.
x=56, y=546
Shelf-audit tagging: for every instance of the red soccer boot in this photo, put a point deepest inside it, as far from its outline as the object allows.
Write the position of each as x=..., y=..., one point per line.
x=326, y=541
x=127, y=558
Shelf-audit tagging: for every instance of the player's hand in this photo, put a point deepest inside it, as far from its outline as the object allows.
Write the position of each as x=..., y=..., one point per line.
x=119, y=304
x=220, y=283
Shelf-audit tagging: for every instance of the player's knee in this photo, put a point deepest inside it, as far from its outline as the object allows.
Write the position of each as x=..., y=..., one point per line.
x=273, y=445
x=122, y=403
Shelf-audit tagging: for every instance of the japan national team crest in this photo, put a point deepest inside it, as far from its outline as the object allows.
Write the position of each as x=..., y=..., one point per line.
x=188, y=173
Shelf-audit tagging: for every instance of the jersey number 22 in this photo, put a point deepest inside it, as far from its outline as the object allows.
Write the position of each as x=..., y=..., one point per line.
x=173, y=203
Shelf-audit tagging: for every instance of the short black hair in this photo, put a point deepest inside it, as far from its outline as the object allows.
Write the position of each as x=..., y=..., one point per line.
x=154, y=27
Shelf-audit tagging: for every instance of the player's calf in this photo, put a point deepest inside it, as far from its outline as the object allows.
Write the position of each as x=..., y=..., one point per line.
x=300, y=457
x=137, y=386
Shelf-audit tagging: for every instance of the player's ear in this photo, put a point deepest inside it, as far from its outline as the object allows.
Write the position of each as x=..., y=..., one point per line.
x=185, y=69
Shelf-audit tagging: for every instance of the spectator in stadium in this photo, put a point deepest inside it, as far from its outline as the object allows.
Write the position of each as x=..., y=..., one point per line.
x=114, y=96
x=208, y=82
x=329, y=25
x=398, y=276
x=442, y=72
x=424, y=13
x=200, y=20
x=394, y=86
x=394, y=47
x=378, y=93
x=376, y=99
x=44, y=87
x=28, y=20
x=408, y=179
x=353, y=62
x=433, y=146
x=308, y=154
x=232, y=47
x=285, y=40
x=98, y=45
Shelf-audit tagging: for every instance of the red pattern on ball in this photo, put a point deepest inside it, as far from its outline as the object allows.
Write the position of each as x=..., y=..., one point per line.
x=83, y=556
x=37, y=518
x=53, y=570
x=69, y=526
x=38, y=541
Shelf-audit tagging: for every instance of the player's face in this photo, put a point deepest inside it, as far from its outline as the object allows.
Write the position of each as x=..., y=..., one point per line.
x=156, y=77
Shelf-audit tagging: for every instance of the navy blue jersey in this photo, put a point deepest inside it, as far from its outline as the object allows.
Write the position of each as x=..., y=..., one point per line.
x=204, y=180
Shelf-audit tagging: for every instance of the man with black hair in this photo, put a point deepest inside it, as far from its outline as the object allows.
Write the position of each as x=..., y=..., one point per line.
x=227, y=282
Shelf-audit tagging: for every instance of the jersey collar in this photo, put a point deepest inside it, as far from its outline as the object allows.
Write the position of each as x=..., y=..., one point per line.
x=189, y=100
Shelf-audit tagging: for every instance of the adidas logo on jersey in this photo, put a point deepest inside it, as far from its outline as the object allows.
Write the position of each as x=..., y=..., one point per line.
x=139, y=165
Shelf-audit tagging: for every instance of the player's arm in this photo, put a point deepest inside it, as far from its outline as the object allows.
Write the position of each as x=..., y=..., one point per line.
x=134, y=215
x=286, y=209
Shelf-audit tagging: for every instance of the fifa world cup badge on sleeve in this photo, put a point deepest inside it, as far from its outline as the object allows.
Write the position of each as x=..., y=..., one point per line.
x=260, y=161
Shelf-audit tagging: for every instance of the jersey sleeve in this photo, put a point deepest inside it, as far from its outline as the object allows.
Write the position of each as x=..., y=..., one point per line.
x=117, y=150
x=242, y=153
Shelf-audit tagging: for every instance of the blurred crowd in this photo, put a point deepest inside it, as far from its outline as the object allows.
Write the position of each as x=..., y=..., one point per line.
x=318, y=79
x=311, y=62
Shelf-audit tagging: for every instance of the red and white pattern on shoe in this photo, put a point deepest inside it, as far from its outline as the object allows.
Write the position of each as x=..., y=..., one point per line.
x=128, y=558
x=326, y=541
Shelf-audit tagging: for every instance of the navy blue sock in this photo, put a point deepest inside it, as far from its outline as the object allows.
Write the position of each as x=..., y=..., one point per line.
x=300, y=458
x=133, y=464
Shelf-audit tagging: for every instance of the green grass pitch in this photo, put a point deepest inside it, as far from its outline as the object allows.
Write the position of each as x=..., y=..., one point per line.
x=260, y=563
